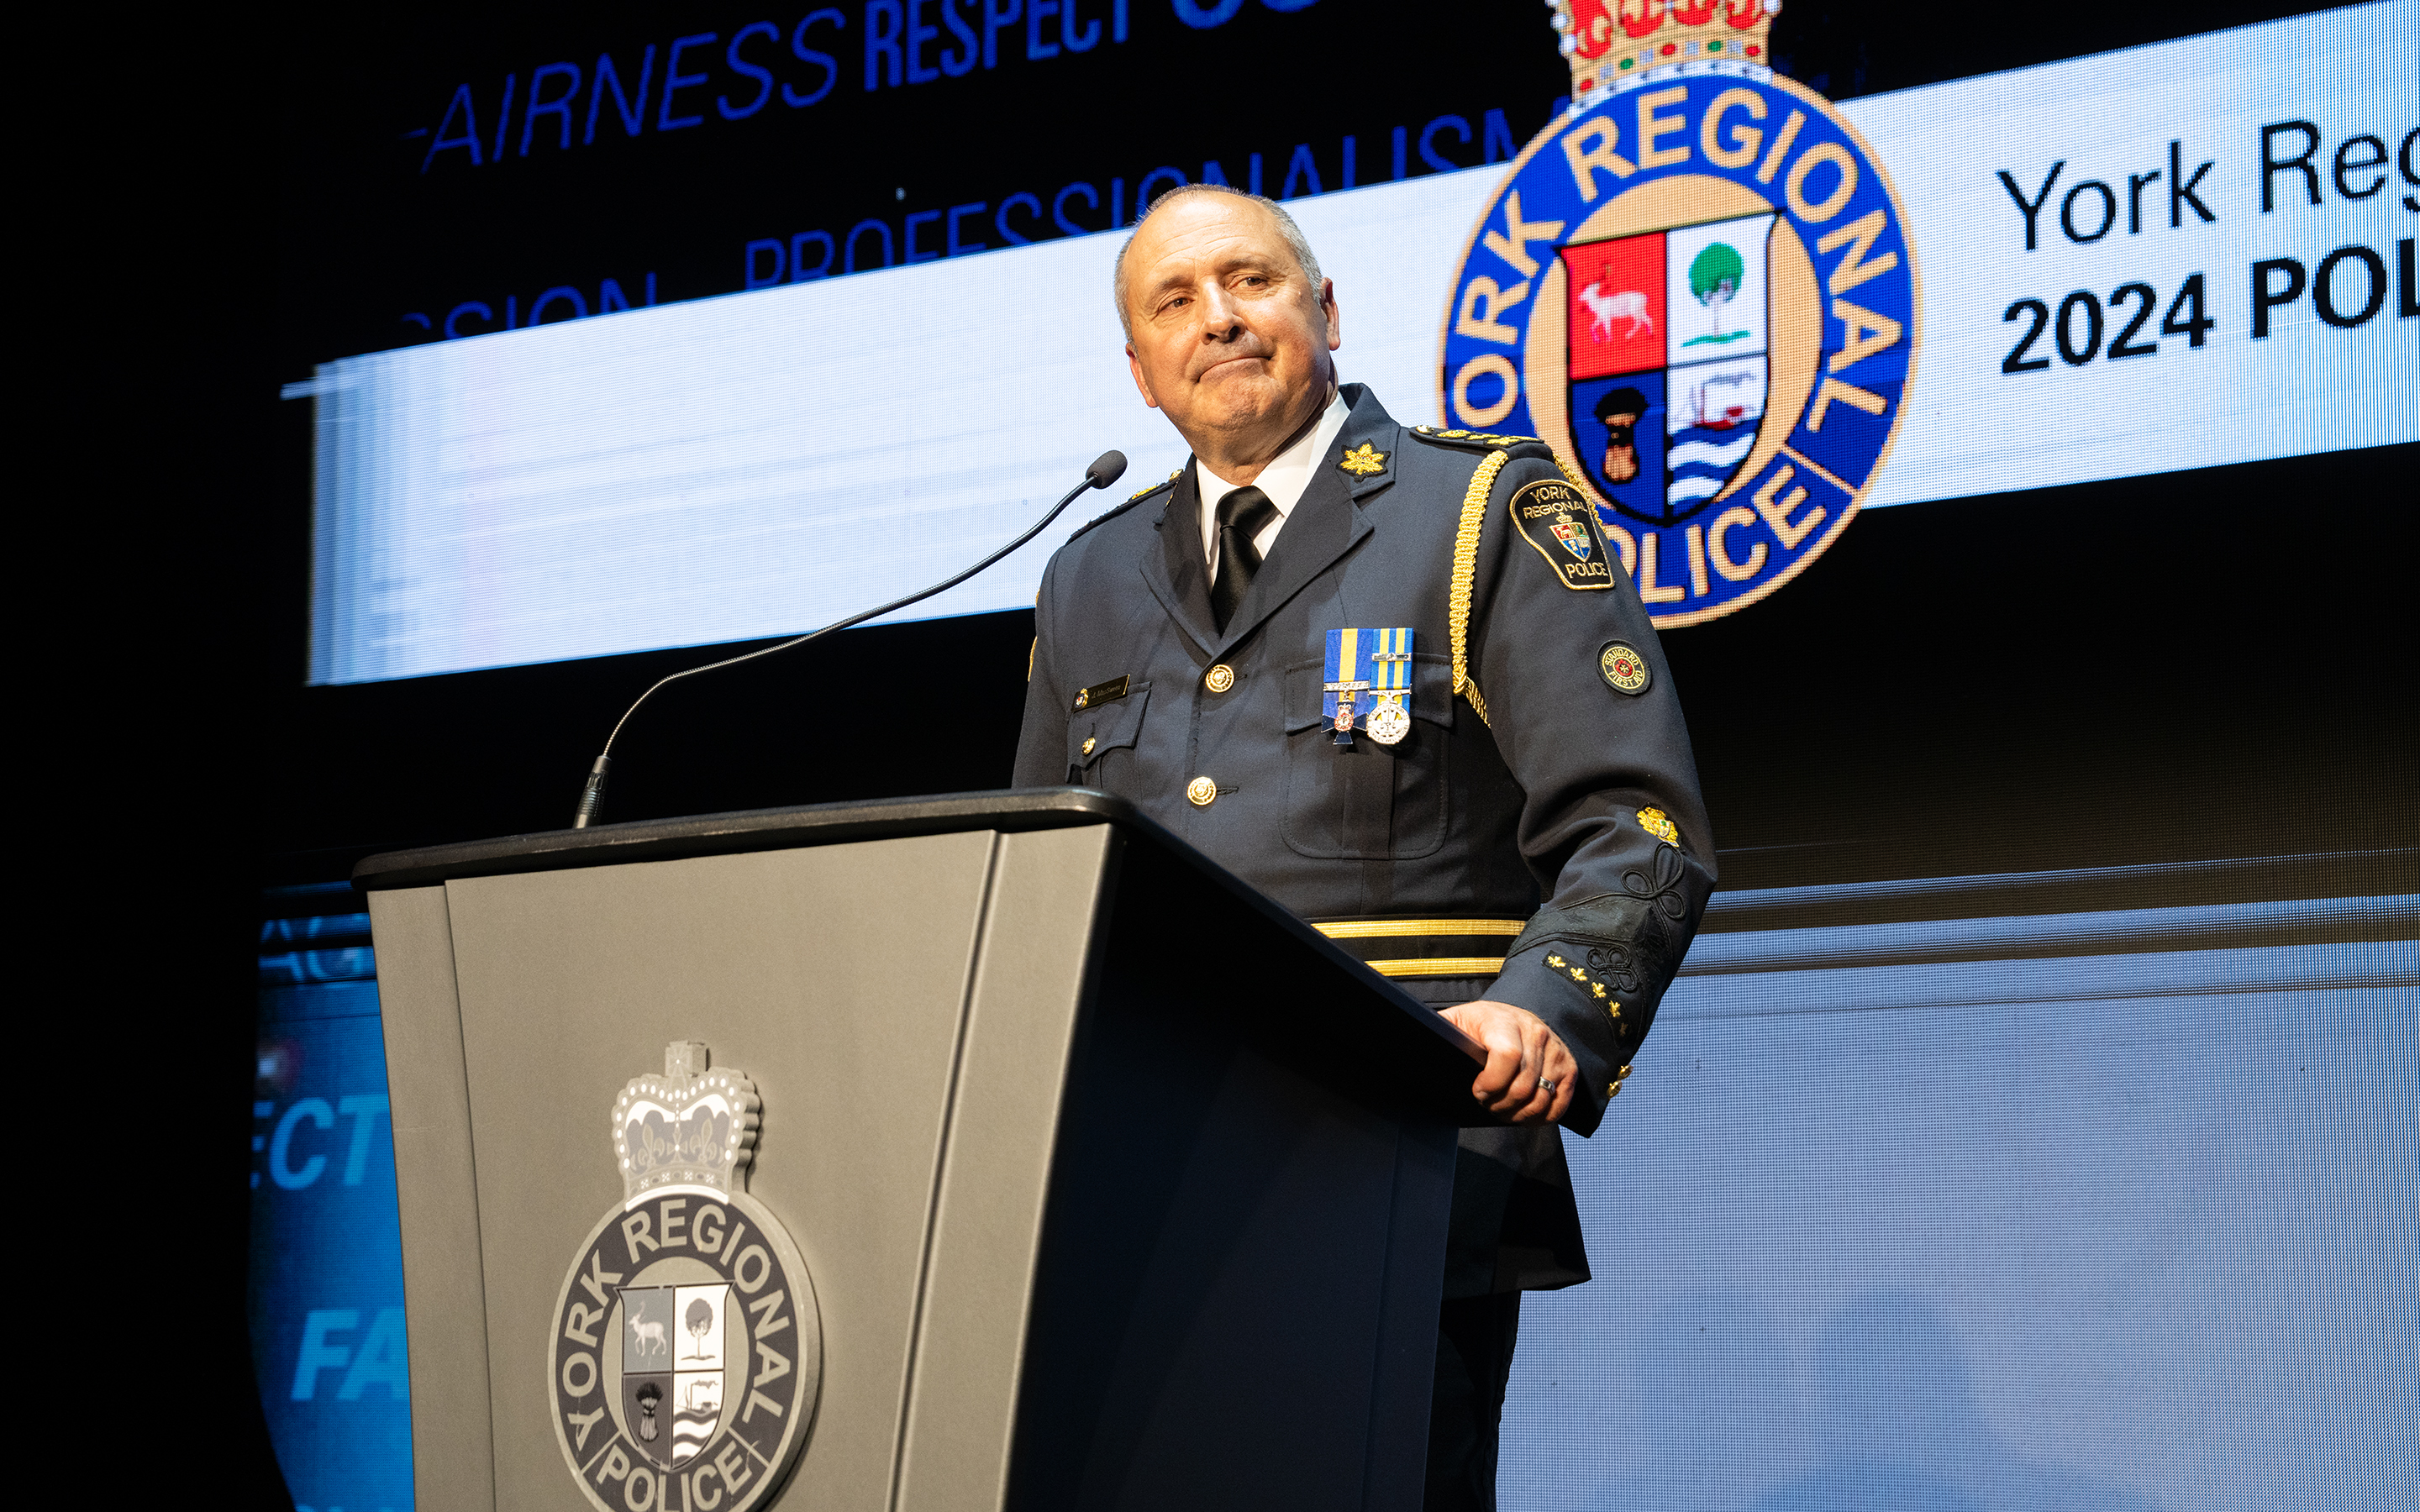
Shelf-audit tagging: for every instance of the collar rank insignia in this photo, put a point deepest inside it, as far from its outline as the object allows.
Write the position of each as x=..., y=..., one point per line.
x=687, y=1347
x=1157, y=486
x=1377, y=663
x=1364, y=461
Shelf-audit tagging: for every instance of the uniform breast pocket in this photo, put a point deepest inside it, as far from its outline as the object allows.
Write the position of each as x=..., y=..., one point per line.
x=1093, y=734
x=1368, y=801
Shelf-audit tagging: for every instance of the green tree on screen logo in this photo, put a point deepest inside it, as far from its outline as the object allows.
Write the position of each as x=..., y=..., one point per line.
x=1715, y=276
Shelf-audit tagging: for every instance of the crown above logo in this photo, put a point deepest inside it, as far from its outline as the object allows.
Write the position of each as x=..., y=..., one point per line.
x=690, y=1131
x=1616, y=45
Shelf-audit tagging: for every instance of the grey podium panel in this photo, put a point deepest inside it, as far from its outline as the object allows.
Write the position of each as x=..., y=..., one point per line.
x=835, y=977
x=959, y=1418
x=444, y=1297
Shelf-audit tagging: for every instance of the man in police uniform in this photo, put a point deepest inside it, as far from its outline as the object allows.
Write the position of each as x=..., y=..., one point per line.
x=1395, y=678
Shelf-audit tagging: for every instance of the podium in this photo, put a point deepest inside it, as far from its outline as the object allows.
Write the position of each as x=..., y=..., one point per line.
x=1089, y=1177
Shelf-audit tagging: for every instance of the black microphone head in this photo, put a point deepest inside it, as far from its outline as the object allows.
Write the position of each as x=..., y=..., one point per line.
x=1107, y=469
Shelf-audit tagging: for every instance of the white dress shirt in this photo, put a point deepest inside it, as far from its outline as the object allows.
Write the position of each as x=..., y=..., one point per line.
x=1283, y=480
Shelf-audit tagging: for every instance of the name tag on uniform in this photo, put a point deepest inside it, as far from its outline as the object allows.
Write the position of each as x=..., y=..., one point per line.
x=1368, y=681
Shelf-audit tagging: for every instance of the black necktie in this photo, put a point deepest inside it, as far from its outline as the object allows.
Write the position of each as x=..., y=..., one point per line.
x=1242, y=514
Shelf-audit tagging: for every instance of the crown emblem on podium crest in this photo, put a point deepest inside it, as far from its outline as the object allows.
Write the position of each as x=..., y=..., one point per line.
x=691, y=1130
x=1615, y=45
x=685, y=1351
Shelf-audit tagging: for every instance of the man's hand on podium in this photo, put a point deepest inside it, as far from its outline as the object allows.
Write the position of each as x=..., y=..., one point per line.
x=1528, y=1075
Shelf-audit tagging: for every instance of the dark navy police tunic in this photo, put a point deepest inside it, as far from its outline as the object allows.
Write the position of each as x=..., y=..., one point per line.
x=1537, y=838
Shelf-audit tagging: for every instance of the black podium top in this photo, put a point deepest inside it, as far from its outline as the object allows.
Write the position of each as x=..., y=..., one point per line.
x=760, y=829
x=1362, y=1018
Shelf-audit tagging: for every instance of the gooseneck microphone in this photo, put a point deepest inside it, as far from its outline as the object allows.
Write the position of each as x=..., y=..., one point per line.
x=1106, y=470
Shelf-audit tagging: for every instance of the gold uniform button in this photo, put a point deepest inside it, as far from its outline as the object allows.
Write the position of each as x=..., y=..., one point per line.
x=1089, y=741
x=1219, y=678
x=1200, y=792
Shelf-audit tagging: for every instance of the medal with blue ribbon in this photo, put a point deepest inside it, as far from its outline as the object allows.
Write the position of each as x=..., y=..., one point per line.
x=1369, y=681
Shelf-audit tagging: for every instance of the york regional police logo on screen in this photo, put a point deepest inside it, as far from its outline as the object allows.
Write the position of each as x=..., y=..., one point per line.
x=1697, y=285
x=686, y=1351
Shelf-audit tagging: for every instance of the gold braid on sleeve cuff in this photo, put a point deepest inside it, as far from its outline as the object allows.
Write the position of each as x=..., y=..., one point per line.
x=1424, y=946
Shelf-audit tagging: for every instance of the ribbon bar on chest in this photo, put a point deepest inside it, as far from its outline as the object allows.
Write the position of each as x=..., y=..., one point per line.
x=1373, y=662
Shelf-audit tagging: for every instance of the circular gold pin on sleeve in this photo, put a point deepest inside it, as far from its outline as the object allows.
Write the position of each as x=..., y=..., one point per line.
x=1201, y=793
x=1623, y=669
x=1219, y=678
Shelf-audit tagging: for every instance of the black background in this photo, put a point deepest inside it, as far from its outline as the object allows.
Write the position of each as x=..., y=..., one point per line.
x=370, y=235
x=2196, y=665
x=373, y=227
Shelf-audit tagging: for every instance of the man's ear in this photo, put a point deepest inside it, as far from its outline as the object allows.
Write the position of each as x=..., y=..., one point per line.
x=1335, y=316
x=1142, y=385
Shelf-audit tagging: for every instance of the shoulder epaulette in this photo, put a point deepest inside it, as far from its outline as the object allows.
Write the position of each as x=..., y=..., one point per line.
x=1477, y=441
x=1136, y=498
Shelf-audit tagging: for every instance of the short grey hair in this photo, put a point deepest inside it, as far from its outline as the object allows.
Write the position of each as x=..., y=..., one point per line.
x=1304, y=257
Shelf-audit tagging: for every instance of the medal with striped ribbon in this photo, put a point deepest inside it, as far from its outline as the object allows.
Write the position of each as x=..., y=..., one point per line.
x=1373, y=662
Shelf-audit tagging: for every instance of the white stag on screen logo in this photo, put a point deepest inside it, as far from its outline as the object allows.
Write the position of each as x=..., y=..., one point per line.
x=1605, y=307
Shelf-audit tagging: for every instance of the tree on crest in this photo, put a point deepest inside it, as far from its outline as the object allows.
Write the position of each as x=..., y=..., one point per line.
x=1714, y=277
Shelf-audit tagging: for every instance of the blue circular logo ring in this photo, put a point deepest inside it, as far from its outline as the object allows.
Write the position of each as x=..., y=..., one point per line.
x=1700, y=292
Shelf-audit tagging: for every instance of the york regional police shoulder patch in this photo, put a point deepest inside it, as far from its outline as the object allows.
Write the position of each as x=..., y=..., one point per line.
x=1560, y=525
x=1697, y=285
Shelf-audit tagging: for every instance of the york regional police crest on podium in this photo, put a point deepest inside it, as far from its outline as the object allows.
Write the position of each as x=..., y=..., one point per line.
x=687, y=1350
x=1696, y=287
